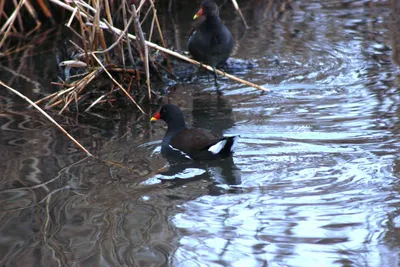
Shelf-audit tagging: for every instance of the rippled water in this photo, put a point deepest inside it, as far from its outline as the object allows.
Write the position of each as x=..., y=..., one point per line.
x=314, y=181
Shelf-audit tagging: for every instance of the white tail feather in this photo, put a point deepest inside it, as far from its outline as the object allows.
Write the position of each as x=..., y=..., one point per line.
x=215, y=149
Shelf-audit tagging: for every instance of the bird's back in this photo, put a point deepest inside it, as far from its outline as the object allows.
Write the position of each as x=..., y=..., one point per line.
x=211, y=43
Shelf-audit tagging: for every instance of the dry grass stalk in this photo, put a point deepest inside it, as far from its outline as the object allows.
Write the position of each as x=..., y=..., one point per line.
x=9, y=22
x=128, y=43
x=142, y=41
x=19, y=17
x=78, y=85
x=84, y=41
x=92, y=33
x=236, y=6
x=108, y=12
x=34, y=15
x=48, y=117
x=2, y=2
x=95, y=32
x=44, y=8
x=119, y=36
x=95, y=102
x=119, y=85
x=155, y=17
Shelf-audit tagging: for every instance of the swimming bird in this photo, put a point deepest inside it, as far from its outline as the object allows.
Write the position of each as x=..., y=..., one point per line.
x=191, y=143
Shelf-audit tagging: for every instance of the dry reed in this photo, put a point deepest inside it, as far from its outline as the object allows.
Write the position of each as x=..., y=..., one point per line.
x=93, y=19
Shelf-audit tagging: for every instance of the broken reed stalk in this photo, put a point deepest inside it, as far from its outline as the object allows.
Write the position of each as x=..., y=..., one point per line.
x=94, y=33
x=139, y=32
x=128, y=43
x=48, y=117
x=83, y=34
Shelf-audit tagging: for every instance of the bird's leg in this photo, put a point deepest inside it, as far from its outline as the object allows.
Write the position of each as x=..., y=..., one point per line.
x=215, y=78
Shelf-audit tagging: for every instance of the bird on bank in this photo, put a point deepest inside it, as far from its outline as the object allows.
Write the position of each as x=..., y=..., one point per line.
x=211, y=43
x=191, y=143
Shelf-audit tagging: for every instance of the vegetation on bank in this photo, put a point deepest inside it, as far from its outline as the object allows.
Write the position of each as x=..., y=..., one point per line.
x=116, y=49
x=109, y=41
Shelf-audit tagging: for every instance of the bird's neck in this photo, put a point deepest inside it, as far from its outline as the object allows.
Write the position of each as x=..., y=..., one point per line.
x=173, y=129
x=212, y=20
x=176, y=126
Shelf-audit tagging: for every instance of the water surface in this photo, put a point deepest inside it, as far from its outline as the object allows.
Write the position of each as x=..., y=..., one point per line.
x=314, y=181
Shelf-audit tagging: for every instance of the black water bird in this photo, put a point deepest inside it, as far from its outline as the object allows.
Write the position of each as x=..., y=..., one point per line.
x=191, y=143
x=211, y=43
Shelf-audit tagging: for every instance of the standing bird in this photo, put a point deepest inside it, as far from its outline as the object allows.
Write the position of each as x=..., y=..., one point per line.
x=191, y=143
x=212, y=42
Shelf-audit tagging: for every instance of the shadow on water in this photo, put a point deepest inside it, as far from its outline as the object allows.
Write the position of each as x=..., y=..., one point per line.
x=59, y=208
x=314, y=181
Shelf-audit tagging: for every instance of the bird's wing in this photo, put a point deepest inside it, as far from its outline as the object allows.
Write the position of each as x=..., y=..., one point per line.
x=194, y=139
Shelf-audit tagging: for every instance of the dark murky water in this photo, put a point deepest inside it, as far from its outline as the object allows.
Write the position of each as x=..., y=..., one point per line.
x=315, y=179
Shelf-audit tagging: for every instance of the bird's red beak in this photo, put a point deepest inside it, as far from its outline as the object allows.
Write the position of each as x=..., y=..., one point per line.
x=156, y=117
x=199, y=13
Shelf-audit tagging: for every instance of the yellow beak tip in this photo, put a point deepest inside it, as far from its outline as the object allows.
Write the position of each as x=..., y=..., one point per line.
x=153, y=119
x=195, y=16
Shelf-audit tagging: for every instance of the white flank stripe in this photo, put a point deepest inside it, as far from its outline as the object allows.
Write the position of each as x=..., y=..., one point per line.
x=180, y=151
x=215, y=149
x=235, y=142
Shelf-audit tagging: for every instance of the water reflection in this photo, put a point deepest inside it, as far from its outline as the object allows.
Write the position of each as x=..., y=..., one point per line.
x=314, y=181
x=220, y=171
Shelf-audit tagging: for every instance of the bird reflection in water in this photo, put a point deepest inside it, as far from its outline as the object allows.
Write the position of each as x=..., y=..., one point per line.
x=218, y=172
